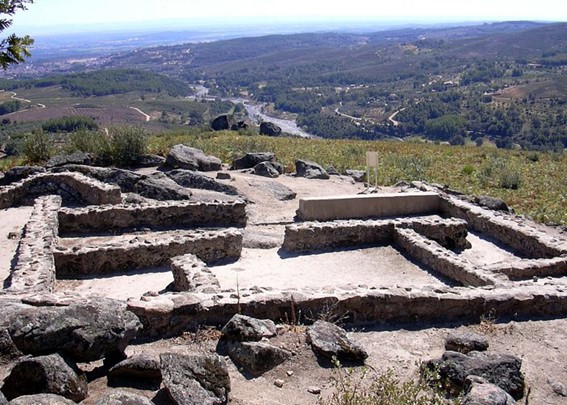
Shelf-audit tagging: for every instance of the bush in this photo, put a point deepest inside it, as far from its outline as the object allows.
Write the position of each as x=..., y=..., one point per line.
x=371, y=388
x=511, y=179
x=37, y=147
x=127, y=144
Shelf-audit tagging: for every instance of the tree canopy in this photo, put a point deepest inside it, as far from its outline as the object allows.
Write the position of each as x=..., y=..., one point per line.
x=13, y=49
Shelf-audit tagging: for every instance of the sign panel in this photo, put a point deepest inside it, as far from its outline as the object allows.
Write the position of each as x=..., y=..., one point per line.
x=372, y=159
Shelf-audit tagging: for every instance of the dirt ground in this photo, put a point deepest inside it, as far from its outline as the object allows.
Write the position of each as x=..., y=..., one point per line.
x=540, y=343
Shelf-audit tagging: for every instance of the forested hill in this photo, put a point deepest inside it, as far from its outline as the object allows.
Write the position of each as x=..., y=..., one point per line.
x=107, y=82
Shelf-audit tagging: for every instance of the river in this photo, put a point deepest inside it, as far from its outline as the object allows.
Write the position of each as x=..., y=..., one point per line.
x=255, y=113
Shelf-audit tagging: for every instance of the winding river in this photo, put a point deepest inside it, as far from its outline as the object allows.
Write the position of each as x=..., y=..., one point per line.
x=256, y=114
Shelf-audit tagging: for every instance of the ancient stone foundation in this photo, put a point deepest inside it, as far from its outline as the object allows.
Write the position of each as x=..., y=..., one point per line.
x=72, y=187
x=169, y=214
x=58, y=241
x=35, y=267
x=148, y=250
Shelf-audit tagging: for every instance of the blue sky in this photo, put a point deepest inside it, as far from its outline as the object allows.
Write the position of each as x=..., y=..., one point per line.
x=60, y=13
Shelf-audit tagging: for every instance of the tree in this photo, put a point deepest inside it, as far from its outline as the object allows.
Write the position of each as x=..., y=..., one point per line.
x=13, y=49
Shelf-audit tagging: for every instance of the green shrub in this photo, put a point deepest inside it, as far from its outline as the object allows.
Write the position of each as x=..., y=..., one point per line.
x=467, y=170
x=511, y=179
x=37, y=147
x=127, y=144
x=371, y=388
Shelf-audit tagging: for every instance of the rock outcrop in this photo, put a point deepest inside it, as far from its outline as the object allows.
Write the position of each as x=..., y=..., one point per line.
x=195, y=380
x=46, y=375
x=329, y=340
x=270, y=129
x=310, y=170
x=188, y=158
x=250, y=160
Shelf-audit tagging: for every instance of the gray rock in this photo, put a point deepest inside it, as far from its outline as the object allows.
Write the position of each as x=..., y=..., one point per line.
x=8, y=350
x=268, y=169
x=86, y=331
x=332, y=171
x=150, y=161
x=250, y=160
x=270, y=129
x=310, y=170
x=18, y=173
x=3, y=400
x=136, y=371
x=197, y=379
x=491, y=203
x=43, y=399
x=277, y=190
x=242, y=328
x=46, y=375
x=223, y=123
x=503, y=370
x=358, y=175
x=224, y=176
x=192, y=179
x=119, y=397
x=481, y=392
x=466, y=342
x=330, y=341
x=156, y=186
x=558, y=388
x=256, y=357
x=185, y=157
x=78, y=158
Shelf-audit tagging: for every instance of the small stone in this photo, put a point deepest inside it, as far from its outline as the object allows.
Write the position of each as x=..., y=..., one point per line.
x=289, y=373
x=279, y=383
x=314, y=390
x=223, y=176
x=558, y=388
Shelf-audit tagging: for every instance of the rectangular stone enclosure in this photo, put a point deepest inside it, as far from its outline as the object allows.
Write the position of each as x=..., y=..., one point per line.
x=368, y=206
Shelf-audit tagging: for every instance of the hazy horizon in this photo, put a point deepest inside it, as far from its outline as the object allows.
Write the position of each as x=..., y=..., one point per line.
x=62, y=16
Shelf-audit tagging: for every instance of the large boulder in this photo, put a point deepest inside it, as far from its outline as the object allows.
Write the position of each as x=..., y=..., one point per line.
x=43, y=399
x=141, y=371
x=119, y=397
x=223, y=123
x=503, y=370
x=46, y=375
x=481, y=392
x=150, y=160
x=191, y=179
x=250, y=160
x=242, y=328
x=86, y=331
x=492, y=203
x=270, y=129
x=358, y=175
x=257, y=357
x=186, y=157
x=329, y=340
x=195, y=380
x=8, y=350
x=310, y=170
x=268, y=169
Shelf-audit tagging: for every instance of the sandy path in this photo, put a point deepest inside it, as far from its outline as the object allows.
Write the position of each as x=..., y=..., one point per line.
x=12, y=222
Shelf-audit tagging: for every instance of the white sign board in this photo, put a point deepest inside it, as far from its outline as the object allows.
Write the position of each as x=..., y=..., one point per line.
x=372, y=159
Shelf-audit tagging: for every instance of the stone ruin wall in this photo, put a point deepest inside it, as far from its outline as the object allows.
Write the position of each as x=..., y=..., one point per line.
x=68, y=185
x=145, y=251
x=35, y=267
x=427, y=239
x=168, y=214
